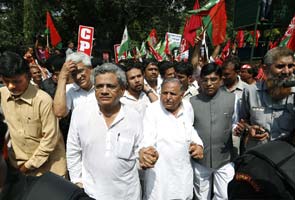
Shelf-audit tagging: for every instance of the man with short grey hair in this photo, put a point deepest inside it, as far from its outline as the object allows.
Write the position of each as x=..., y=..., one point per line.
x=68, y=96
x=103, y=140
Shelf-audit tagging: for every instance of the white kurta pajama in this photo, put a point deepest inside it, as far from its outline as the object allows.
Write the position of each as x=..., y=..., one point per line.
x=172, y=175
x=104, y=159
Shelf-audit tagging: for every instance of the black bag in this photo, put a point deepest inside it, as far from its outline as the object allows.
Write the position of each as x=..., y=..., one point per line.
x=265, y=172
x=52, y=187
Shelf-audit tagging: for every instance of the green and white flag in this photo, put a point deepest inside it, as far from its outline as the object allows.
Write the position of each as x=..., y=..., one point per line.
x=125, y=43
x=142, y=50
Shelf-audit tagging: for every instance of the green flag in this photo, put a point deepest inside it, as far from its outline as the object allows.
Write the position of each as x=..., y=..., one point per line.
x=125, y=43
x=206, y=7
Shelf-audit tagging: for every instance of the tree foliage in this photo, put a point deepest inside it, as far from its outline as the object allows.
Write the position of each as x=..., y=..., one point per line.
x=26, y=18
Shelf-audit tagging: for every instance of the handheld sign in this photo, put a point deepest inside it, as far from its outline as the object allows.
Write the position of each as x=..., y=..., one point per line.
x=85, y=39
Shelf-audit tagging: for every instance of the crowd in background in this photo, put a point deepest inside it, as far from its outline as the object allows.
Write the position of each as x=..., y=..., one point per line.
x=141, y=130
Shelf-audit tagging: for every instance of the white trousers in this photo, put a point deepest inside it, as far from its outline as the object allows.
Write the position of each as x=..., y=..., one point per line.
x=203, y=177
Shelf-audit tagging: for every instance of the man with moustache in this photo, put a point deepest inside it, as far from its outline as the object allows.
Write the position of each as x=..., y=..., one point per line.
x=68, y=96
x=103, y=140
x=214, y=113
x=170, y=136
x=267, y=109
x=151, y=75
x=138, y=94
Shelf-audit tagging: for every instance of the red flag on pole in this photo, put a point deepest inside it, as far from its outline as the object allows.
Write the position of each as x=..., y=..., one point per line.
x=257, y=36
x=240, y=39
x=191, y=26
x=288, y=38
x=216, y=23
x=157, y=56
x=291, y=43
x=54, y=36
x=153, y=38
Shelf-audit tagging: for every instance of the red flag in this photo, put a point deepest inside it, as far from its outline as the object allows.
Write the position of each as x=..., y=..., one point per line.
x=240, y=39
x=273, y=44
x=289, y=34
x=224, y=54
x=257, y=36
x=291, y=43
x=54, y=36
x=167, y=50
x=216, y=23
x=153, y=38
x=157, y=56
x=225, y=51
x=191, y=26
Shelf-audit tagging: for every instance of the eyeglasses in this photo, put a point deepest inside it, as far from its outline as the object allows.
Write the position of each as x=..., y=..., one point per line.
x=281, y=66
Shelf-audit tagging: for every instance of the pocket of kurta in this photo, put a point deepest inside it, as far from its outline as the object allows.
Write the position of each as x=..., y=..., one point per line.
x=124, y=148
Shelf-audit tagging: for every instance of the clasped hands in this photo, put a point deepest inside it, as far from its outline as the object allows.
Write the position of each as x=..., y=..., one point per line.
x=148, y=156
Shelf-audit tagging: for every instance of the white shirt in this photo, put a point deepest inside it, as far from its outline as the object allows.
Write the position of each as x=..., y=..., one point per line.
x=76, y=96
x=172, y=175
x=139, y=104
x=104, y=159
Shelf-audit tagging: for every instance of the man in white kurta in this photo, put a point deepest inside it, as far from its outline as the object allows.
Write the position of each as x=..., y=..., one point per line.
x=172, y=135
x=103, y=141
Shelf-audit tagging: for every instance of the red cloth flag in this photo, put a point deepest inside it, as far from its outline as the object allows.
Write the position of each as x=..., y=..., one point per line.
x=215, y=23
x=257, y=36
x=273, y=44
x=167, y=50
x=288, y=38
x=157, y=56
x=240, y=39
x=291, y=43
x=54, y=36
x=191, y=26
x=226, y=50
x=153, y=38
x=224, y=54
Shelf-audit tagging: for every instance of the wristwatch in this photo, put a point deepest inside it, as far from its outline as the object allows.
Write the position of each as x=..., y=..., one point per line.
x=149, y=91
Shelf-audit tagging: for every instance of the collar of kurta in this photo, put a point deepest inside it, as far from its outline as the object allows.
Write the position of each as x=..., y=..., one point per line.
x=129, y=96
x=27, y=96
x=77, y=87
x=118, y=118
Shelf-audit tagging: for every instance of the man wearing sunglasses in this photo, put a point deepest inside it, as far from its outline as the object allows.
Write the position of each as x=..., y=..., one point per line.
x=267, y=110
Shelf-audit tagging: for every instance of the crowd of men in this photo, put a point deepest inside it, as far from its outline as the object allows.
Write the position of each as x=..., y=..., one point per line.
x=139, y=130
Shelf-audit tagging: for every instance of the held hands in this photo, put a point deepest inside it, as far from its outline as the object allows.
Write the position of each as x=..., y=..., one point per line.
x=254, y=131
x=196, y=151
x=148, y=157
x=258, y=133
x=240, y=128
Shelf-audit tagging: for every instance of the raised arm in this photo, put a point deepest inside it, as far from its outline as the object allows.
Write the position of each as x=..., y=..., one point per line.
x=60, y=100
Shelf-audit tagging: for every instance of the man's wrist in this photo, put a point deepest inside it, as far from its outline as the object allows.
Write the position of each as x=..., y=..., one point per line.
x=148, y=91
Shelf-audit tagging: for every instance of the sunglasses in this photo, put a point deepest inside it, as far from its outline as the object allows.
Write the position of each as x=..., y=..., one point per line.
x=281, y=66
